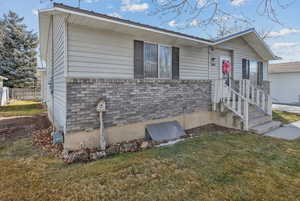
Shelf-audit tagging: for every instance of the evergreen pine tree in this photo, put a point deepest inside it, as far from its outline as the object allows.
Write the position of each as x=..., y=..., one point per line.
x=17, y=51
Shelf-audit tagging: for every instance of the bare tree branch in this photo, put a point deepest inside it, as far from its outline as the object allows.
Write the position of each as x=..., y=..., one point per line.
x=203, y=13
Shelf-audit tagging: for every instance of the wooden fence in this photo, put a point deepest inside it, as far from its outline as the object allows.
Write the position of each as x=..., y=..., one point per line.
x=25, y=94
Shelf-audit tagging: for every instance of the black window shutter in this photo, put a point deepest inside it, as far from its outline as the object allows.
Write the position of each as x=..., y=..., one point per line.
x=245, y=69
x=260, y=73
x=248, y=69
x=138, y=59
x=175, y=63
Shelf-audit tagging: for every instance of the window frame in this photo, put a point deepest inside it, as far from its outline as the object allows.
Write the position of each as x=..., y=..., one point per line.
x=158, y=60
x=144, y=60
x=257, y=70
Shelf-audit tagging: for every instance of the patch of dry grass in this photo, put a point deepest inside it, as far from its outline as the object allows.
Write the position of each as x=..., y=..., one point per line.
x=21, y=108
x=216, y=166
x=285, y=117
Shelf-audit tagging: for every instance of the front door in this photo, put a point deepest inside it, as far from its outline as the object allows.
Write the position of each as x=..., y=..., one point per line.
x=225, y=76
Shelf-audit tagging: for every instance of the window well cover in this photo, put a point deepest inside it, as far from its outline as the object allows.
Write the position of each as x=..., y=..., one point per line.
x=164, y=131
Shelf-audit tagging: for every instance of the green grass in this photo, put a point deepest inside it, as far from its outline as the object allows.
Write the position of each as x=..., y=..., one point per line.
x=216, y=166
x=21, y=108
x=285, y=117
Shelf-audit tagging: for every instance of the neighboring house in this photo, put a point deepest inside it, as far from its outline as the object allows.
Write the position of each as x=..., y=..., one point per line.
x=1, y=81
x=146, y=75
x=4, y=92
x=285, y=82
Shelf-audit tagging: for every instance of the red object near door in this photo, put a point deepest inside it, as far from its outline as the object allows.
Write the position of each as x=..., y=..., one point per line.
x=226, y=67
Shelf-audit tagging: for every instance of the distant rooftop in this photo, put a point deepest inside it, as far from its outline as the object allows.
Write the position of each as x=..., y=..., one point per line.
x=285, y=67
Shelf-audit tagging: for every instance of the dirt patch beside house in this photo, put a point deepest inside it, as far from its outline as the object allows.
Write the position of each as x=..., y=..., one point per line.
x=14, y=128
x=36, y=128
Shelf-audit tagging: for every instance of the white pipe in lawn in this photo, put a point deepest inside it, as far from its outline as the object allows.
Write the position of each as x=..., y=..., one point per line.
x=102, y=138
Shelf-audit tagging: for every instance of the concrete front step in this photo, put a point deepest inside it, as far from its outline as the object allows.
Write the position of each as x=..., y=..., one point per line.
x=255, y=114
x=259, y=120
x=264, y=128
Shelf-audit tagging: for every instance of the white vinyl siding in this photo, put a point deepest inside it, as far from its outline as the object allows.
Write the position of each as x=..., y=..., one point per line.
x=193, y=63
x=285, y=88
x=49, y=73
x=241, y=50
x=56, y=102
x=100, y=54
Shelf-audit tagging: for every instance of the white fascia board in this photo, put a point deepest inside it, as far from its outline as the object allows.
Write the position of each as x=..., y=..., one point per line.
x=274, y=57
x=126, y=24
x=232, y=37
x=56, y=9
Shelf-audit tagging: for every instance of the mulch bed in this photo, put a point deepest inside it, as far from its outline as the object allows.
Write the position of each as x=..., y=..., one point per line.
x=39, y=129
x=42, y=139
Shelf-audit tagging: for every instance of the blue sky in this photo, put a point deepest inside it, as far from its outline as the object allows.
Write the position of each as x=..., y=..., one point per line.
x=285, y=41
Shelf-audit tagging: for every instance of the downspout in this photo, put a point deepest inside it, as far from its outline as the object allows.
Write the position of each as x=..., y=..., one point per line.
x=208, y=63
x=52, y=71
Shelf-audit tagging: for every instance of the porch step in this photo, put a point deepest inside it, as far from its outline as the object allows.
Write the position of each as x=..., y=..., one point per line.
x=264, y=128
x=255, y=114
x=259, y=121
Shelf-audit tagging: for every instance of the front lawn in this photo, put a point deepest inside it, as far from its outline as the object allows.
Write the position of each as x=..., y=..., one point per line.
x=216, y=166
x=285, y=117
x=21, y=108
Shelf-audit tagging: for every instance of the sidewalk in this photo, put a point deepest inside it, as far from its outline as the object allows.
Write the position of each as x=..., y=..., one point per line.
x=289, y=131
x=287, y=108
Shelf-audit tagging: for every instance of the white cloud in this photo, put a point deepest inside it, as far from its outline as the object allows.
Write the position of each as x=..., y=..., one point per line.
x=134, y=6
x=194, y=23
x=172, y=23
x=115, y=14
x=284, y=45
x=288, y=52
x=35, y=11
x=90, y=1
x=283, y=32
x=202, y=2
x=237, y=2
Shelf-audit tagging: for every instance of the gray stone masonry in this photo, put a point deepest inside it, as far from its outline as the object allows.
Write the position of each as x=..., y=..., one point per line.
x=132, y=101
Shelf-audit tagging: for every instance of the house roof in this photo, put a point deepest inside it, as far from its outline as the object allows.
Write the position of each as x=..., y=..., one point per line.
x=288, y=67
x=124, y=25
x=57, y=5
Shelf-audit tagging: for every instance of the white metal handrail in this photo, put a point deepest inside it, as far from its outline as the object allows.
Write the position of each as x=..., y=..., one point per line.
x=256, y=96
x=233, y=100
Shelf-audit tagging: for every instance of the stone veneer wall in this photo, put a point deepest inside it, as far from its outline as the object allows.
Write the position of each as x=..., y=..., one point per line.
x=132, y=101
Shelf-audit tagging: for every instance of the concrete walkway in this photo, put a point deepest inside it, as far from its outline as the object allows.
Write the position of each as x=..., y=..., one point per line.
x=287, y=108
x=289, y=131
